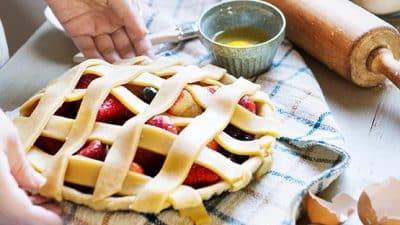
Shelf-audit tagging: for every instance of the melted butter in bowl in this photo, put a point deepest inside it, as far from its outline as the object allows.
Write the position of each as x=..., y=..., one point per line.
x=242, y=37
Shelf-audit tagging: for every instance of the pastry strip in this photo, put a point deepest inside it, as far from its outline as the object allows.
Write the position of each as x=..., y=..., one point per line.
x=123, y=150
x=52, y=99
x=187, y=146
x=96, y=93
x=59, y=127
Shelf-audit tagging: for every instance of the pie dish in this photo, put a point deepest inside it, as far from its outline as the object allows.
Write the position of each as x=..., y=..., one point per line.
x=147, y=135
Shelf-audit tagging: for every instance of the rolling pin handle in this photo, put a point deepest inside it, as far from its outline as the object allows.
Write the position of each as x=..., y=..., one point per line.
x=382, y=61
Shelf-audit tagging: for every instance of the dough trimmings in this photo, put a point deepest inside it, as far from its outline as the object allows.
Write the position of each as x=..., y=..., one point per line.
x=147, y=135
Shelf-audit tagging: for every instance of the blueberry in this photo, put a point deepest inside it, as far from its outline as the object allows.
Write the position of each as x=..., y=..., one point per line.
x=233, y=157
x=238, y=134
x=148, y=94
x=232, y=131
x=246, y=137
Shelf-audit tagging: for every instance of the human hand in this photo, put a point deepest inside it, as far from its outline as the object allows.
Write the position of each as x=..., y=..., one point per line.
x=15, y=172
x=108, y=29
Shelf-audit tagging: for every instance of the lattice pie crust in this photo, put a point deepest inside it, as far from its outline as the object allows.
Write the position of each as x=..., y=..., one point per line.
x=114, y=186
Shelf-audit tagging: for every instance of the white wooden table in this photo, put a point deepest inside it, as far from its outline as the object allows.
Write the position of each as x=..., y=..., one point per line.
x=369, y=118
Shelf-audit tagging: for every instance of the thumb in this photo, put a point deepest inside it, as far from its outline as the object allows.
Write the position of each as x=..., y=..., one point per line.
x=23, y=173
x=15, y=206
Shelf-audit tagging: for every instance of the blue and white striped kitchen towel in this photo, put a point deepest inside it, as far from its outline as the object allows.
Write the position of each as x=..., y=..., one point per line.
x=308, y=156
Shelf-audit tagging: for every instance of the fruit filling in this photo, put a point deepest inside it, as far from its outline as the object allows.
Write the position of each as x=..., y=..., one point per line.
x=185, y=106
x=148, y=94
x=49, y=145
x=94, y=150
x=238, y=133
x=111, y=110
x=145, y=161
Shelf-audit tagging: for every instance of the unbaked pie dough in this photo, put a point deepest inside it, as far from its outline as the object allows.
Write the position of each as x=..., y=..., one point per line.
x=113, y=186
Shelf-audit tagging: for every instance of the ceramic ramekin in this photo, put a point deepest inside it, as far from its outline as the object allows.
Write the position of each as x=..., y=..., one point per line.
x=243, y=61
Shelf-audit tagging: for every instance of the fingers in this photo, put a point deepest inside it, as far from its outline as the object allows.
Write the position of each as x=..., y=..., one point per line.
x=142, y=46
x=134, y=25
x=87, y=46
x=122, y=43
x=23, y=173
x=106, y=47
x=12, y=147
x=15, y=206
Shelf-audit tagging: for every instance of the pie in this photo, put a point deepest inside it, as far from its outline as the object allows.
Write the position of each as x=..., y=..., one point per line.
x=147, y=135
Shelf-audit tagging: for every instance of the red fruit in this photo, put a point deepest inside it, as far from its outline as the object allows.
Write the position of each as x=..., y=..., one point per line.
x=94, y=150
x=151, y=162
x=247, y=103
x=163, y=122
x=200, y=176
x=213, y=145
x=67, y=110
x=113, y=111
x=136, y=168
x=48, y=145
x=86, y=80
x=212, y=89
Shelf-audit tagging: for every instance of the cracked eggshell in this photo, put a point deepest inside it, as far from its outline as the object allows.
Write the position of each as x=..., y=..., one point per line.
x=379, y=204
x=323, y=212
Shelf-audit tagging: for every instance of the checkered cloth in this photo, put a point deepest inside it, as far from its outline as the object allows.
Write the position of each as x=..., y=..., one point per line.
x=308, y=156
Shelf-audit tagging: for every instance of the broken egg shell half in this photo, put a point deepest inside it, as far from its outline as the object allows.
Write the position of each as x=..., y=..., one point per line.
x=329, y=213
x=379, y=204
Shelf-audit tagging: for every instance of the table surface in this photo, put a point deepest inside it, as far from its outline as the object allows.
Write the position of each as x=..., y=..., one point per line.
x=369, y=118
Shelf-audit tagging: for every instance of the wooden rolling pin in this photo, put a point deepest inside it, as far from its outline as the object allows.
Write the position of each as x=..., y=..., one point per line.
x=349, y=40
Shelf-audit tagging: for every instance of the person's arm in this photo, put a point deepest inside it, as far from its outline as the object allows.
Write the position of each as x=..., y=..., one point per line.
x=110, y=29
x=16, y=207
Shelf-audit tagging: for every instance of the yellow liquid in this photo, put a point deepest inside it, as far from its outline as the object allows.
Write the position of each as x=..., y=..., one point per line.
x=242, y=37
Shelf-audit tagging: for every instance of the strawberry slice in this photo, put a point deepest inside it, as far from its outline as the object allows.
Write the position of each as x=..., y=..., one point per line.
x=200, y=176
x=48, y=145
x=94, y=150
x=112, y=110
x=213, y=145
x=136, y=168
x=248, y=104
x=163, y=122
x=86, y=80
